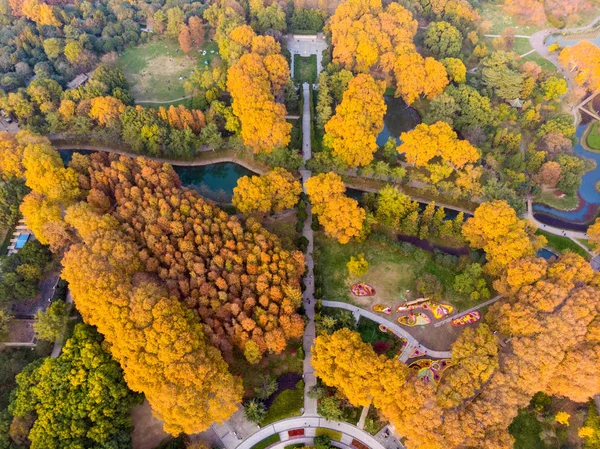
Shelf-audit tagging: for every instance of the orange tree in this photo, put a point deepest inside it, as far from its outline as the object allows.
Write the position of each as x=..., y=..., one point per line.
x=274, y=191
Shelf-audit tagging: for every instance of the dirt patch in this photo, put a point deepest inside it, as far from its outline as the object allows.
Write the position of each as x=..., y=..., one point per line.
x=147, y=430
x=20, y=331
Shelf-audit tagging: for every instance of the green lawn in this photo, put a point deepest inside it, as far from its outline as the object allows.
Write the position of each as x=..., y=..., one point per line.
x=267, y=442
x=593, y=137
x=526, y=429
x=522, y=46
x=154, y=69
x=370, y=333
x=568, y=202
x=562, y=244
x=392, y=271
x=543, y=62
x=500, y=20
x=287, y=404
x=305, y=68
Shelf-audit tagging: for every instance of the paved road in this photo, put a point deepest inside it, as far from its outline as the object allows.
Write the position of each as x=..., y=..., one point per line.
x=310, y=404
x=310, y=424
x=398, y=330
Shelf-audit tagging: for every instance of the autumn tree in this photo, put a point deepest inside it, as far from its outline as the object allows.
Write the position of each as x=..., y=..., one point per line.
x=357, y=266
x=584, y=57
x=504, y=237
x=344, y=361
x=274, y=191
x=363, y=33
x=339, y=215
x=475, y=359
x=106, y=109
x=455, y=69
x=80, y=398
x=352, y=132
x=416, y=76
x=196, y=27
x=394, y=207
x=254, y=81
x=593, y=233
x=185, y=39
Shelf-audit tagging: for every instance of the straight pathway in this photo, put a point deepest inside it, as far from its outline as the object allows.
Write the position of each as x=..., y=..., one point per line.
x=310, y=404
x=413, y=343
x=472, y=309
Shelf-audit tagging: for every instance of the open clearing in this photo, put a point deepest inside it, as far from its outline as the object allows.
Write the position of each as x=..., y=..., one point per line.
x=157, y=70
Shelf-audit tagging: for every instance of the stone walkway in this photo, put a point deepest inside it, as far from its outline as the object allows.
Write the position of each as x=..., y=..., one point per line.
x=310, y=404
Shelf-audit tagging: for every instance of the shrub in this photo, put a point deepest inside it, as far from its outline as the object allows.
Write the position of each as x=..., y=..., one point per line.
x=287, y=403
x=380, y=347
x=332, y=434
x=430, y=286
x=302, y=243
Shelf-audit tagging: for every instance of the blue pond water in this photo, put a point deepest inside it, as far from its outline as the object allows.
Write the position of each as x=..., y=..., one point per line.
x=215, y=181
x=563, y=42
x=398, y=118
x=546, y=254
x=590, y=197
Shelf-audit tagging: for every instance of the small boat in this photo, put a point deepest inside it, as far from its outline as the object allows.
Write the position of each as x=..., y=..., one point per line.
x=468, y=318
x=362, y=289
x=414, y=319
x=382, y=309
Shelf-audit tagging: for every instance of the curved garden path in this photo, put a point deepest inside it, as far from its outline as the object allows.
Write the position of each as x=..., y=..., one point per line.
x=413, y=343
x=310, y=425
x=187, y=97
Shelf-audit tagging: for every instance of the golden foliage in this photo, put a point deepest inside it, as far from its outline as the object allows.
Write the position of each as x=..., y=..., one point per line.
x=504, y=237
x=254, y=81
x=352, y=132
x=585, y=58
x=339, y=215
x=106, y=109
x=274, y=191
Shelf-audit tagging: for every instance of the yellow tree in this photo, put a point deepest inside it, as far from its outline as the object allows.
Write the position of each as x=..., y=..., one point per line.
x=584, y=57
x=415, y=75
x=342, y=219
x=352, y=132
x=274, y=191
x=475, y=358
x=362, y=32
x=339, y=215
x=254, y=81
x=344, y=361
x=106, y=109
x=322, y=187
x=593, y=233
x=504, y=237
x=11, y=155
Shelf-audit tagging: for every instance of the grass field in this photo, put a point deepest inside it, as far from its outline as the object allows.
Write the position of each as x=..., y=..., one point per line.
x=593, y=137
x=500, y=21
x=550, y=199
x=562, y=244
x=305, y=68
x=157, y=70
x=522, y=46
x=287, y=404
x=392, y=273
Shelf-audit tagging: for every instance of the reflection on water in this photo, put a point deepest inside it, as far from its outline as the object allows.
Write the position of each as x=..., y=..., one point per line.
x=568, y=41
x=215, y=181
x=398, y=118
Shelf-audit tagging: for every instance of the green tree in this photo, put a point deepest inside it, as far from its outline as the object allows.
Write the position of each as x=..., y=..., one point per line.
x=5, y=318
x=175, y=20
x=11, y=194
x=255, y=411
x=72, y=51
x=50, y=324
x=268, y=386
x=330, y=408
x=53, y=47
x=554, y=88
x=80, y=398
x=474, y=109
x=443, y=40
x=394, y=206
x=498, y=75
